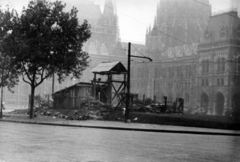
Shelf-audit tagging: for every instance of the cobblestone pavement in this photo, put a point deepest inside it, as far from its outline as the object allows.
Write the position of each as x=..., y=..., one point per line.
x=41, y=143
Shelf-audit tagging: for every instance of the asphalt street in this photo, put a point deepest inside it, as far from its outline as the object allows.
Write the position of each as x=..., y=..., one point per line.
x=42, y=143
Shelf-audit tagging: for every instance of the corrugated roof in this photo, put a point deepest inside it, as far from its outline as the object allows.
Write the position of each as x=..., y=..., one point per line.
x=110, y=67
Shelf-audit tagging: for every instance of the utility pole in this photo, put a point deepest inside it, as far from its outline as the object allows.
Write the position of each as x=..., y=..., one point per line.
x=1, y=115
x=128, y=83
x=128, y=80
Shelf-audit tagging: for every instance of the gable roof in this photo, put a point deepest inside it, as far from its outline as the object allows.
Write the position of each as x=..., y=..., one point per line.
x=110, y=68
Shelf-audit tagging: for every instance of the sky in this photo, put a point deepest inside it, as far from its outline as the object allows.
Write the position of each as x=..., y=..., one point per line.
x=135, y=16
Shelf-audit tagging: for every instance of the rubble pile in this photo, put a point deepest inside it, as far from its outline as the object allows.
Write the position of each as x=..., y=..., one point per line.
x=89, y=110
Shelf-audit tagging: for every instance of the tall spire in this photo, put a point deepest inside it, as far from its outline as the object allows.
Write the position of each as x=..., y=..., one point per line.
x=109, y=8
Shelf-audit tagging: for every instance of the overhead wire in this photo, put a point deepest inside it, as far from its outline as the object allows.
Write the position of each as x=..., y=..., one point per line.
x=162, y=31
x=147, y=25
x=137, y=50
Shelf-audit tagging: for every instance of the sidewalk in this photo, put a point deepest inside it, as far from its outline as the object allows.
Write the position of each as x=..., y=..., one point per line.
x=115, y=125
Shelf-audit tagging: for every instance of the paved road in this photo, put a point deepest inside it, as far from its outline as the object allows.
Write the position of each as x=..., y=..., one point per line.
x=39, y=143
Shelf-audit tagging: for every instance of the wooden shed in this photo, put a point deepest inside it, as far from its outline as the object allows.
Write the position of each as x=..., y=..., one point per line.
x=73, y=96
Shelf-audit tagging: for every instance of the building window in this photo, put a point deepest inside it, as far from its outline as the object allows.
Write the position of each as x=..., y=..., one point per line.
x=205, y=66
x=203, y=82
x=190, y=70
x=181, y=71
x=221, y=65
x=222, y=81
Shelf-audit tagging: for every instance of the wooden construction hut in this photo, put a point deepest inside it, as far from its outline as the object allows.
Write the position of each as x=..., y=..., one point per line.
x=74, y=96
x=114, y=76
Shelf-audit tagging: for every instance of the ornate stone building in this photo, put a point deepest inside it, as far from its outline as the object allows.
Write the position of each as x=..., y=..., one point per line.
x=172, y=44
x=177, y=22
x=196, y=55
x=218, y=59
x=196, y=61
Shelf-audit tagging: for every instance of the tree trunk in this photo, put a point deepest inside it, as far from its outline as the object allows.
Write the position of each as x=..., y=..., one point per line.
x=31, y=112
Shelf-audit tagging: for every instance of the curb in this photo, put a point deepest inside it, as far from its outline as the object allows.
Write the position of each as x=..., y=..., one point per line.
x=128, y=129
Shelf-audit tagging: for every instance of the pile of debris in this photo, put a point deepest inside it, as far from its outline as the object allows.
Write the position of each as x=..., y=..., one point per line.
x=89, y=110
x=72, y=114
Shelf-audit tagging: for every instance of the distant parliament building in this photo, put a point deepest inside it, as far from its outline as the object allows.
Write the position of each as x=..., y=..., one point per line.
x=196, y=55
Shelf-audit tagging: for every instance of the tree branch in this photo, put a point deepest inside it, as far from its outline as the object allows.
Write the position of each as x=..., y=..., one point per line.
x=25, y=79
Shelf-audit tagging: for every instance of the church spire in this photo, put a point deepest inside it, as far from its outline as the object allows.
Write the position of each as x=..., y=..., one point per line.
x=109, y=8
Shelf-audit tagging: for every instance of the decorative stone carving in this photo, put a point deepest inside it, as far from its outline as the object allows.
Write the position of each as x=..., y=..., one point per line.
x=224, y=32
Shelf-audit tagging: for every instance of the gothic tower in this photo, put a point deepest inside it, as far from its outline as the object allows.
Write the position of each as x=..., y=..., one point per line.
x=178, y=22
x=109, y=22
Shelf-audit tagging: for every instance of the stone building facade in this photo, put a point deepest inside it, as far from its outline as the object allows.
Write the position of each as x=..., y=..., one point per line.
x=200, y=64
x=218, y=58
x=196, y=56
x=172, y=43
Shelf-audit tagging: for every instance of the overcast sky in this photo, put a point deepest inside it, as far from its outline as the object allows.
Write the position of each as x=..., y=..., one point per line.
x=134, y=15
